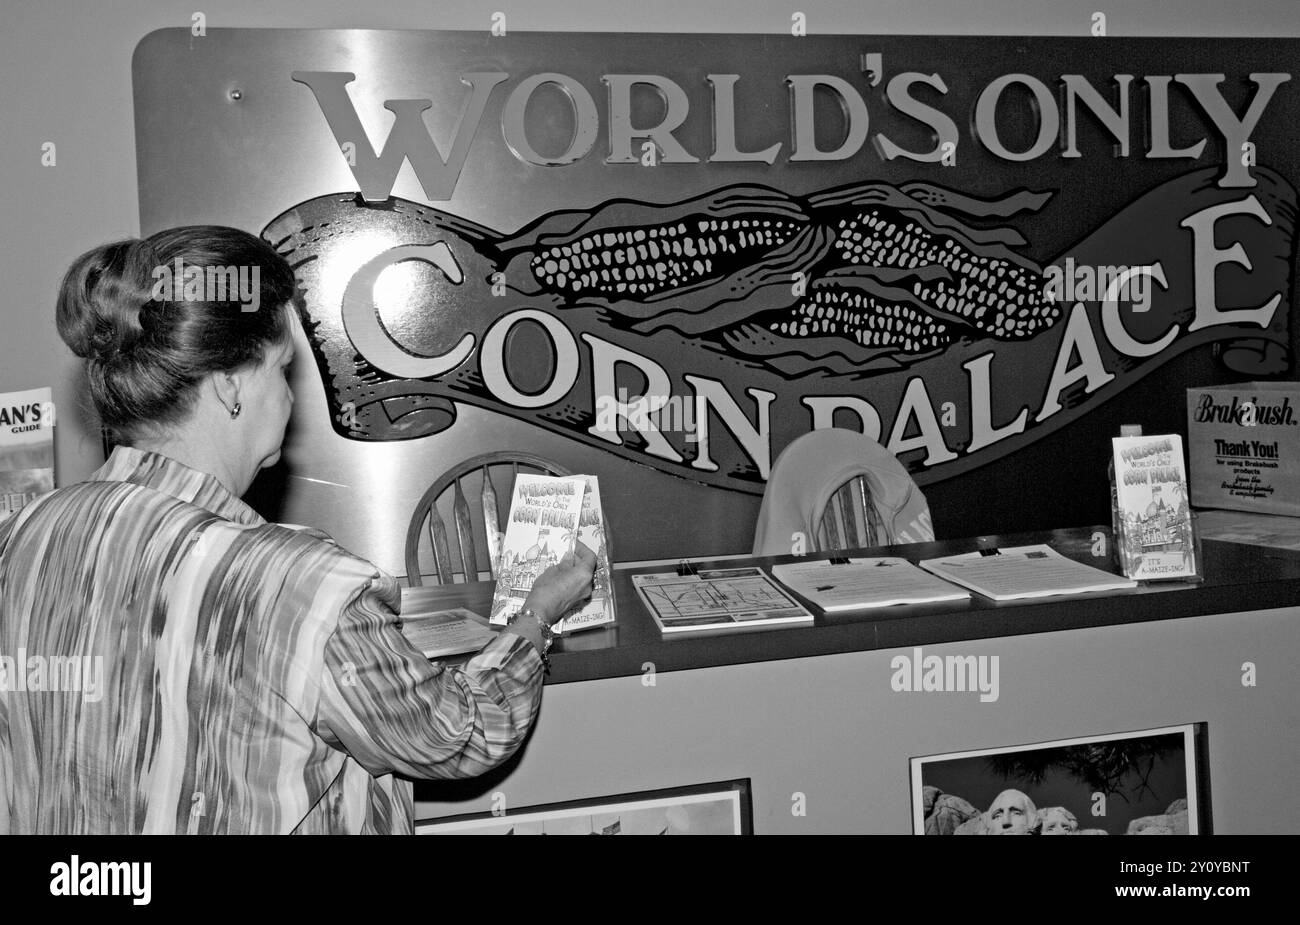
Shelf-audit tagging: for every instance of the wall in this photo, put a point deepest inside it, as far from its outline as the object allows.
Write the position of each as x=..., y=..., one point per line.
x=832, y=729
x=65, y=74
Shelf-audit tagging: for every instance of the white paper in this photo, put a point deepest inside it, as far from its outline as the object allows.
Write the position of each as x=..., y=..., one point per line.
x=864, y=583
x=441, y=633
x=1024, y=571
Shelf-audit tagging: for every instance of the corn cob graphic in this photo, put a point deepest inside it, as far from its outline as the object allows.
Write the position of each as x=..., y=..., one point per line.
x=885, y=269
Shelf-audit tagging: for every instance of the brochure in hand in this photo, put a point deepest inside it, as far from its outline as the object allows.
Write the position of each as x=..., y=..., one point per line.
x=540, y=530
x=548, y=514
x=593, y=533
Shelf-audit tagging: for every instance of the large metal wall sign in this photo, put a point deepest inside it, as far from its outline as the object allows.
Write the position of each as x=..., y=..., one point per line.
x=685, y=251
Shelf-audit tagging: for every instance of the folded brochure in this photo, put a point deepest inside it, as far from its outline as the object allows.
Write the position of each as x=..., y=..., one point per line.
x=595, y=535
x=540, y=530
x=1154, y=521
x=548, y=514
x=718, y=600
x=857, y=584
x=1023, y=572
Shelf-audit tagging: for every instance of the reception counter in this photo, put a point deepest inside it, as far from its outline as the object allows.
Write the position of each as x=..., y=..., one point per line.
x=808, y=715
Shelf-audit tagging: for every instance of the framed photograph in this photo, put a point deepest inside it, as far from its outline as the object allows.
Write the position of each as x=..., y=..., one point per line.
x=706, y=809
x=1148, y=782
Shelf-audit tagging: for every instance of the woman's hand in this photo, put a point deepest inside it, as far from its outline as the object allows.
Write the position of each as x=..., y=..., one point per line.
x=564, y=585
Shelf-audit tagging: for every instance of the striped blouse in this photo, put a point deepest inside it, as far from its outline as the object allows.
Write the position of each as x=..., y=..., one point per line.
x=170, y=662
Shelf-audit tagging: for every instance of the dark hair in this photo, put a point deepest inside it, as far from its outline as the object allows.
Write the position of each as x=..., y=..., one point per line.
x=146, y=345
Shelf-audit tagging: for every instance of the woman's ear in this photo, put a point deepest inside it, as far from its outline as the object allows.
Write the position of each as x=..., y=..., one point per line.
x=227, y=386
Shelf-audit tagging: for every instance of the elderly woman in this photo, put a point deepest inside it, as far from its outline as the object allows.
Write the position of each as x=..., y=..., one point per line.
x=255, y=678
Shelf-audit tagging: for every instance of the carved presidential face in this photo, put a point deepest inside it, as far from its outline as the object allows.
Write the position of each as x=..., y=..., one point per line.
x=1012, y=813
x=1057, y=820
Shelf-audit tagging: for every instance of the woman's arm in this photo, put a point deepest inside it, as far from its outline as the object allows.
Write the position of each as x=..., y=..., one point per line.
x=393, y=711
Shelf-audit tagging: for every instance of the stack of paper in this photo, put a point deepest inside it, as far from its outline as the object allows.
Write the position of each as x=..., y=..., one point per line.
x=1023, y=572
x=858, y=584
x=441, y=633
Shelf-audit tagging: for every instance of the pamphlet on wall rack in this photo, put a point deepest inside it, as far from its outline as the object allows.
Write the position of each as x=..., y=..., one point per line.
x=1023, y=572
x=441, y=633
x=26, y=448
x=718, y=600
x=857, y=584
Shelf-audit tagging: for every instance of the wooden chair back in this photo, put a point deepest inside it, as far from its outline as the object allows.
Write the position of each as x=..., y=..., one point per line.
x=850, y=520
x=467, y=547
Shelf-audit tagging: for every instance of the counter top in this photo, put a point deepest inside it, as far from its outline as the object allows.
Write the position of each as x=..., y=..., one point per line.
x=1237, y=578
x=1252, y=529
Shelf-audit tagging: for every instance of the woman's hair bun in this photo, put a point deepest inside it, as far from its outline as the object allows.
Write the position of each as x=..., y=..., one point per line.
x=100, y=301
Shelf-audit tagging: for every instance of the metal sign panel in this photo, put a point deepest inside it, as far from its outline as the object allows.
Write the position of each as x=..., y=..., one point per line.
x=684, y=251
